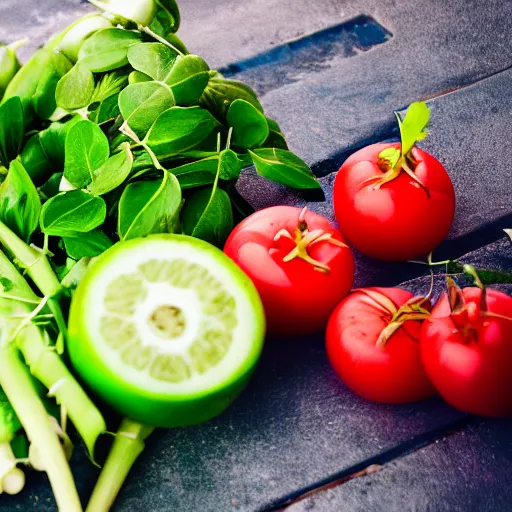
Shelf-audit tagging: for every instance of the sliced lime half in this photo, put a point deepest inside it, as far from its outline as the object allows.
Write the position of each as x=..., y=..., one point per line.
x=166, y=329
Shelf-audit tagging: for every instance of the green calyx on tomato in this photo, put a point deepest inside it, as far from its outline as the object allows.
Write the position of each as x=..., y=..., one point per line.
x=303, y=239
x=416, y=308
x=393, y=161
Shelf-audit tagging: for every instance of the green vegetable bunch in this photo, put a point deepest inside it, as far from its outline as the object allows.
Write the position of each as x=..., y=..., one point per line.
x=123, y=133
x=111, y=131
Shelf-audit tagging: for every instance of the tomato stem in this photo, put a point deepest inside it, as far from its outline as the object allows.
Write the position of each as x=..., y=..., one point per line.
x=128, y=445
x=304, y=239
x=393, y=170
x=470, y=270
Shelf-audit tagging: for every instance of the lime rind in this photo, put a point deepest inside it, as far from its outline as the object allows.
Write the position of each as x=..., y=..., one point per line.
x=225, y=327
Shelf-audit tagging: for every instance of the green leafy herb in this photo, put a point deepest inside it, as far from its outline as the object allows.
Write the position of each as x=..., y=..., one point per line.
x=53, y=139
x=275, y=137
x=207, y=214
x=152, y=59
x=26, y=80
x=107, y=49
x=52, y=185
x=35, y=160
x=106, y=111
x=171, y=7
x=149, y=207
x=136, y=76
x=87, y=149
x=141, y=103
x=220, y=93
x=250, y=126
x=72, y=212
x=44, y=99
x=203, y=172
x=412, y=128
x=284, y=167
x=78, y=32
x=113, y=172
x=75, y=89
x=179, y=129
x=110, y=84
x=86, y=245
x=188, y=78
x=11, y=130
x=9, y=64
x=20, y=205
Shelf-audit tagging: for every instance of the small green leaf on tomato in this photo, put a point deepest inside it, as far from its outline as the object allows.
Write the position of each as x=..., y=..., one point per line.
x=412, y=128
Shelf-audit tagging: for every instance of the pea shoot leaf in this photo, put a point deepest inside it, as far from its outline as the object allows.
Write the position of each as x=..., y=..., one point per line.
x=207, y=213
x=148, y=207
x=19, y=202
x=107, y=49
x=86, y=245
x=87, y=149
x=283, y=167
x=75, y=89
x=141, y=103
x=11, y=130
x=113, y=172
x=72, y=212
x=153, y=59
x=188, y=78
x=250, y=126
x=179, y=129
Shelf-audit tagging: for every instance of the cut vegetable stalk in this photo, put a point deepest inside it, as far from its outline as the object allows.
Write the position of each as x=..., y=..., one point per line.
x=128, y=445
x=44, y=362
x=38, y=268
x=35, y=262
x=17, y=383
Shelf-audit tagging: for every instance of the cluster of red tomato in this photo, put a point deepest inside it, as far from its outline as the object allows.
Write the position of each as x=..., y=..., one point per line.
x=392, y=202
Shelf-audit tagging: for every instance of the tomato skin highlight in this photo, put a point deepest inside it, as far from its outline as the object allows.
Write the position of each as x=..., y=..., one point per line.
x=297, y=298
x=472, y=373
x=398, y=221
x=390, y=373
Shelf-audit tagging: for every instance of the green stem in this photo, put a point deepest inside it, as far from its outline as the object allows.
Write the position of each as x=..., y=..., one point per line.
x=487, y=276
x=128, y=445
x=17, y=383
x=154, y=35
x=35, y=262
x=46, y=365
x=39, y=269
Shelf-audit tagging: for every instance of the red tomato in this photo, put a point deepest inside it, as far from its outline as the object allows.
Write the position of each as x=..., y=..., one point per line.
x=468, y=356
x=299, y=294
x=391, y=372
x=399, y=220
